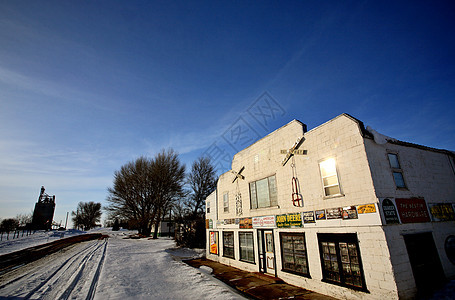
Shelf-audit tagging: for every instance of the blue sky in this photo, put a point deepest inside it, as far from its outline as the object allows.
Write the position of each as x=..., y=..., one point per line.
x=87, y=86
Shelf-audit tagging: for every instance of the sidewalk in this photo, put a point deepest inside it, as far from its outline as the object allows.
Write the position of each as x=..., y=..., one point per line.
x=256, y=285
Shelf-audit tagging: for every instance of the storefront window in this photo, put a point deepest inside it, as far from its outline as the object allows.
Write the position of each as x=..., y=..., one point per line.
x=340, y=258
x=294, y=254
x=246, y=246
x=228, y=244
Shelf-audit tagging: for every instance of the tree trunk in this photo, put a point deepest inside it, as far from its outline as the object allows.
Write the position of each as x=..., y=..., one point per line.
x=157, y=224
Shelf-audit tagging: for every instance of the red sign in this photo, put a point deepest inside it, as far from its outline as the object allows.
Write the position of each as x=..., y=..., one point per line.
x=412, y=210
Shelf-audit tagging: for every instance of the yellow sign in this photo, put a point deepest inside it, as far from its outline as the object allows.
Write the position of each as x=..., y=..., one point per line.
x=366, y=209
x=214, y=242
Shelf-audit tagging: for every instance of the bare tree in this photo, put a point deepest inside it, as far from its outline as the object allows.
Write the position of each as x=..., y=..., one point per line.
x=24, y=219
x=168, y=178
x=8, y=225
x=144, y=188
x=202, y=181
x=87, y=214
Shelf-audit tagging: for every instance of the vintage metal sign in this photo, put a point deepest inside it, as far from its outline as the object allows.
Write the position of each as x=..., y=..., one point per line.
x=442, y=212
x=366, y=209
x=308, y=217
x=334, y=213
x=246, y=223
x=412, y=210
x=214, y=242
x=390, y=212
x=289, y=220
x=349, y=213
x=320, y=214
x=261, y=222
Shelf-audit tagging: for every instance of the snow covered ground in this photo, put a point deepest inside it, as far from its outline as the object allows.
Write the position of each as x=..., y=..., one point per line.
x=38, y=238
x=115, y=268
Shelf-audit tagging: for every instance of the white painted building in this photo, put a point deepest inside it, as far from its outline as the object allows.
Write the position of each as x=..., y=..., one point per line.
x=350, y=213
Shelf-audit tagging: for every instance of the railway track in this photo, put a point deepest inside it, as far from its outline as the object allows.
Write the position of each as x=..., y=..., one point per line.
x=72, y=272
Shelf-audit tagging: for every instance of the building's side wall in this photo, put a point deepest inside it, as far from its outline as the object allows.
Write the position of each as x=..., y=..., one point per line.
x=428, y=175
x=341, y=139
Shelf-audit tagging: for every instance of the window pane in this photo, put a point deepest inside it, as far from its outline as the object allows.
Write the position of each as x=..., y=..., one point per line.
x=394, y=163
x=254, y=200
x=331, y=180
x=263, y=196
x=328, y=167
x=332, y=190
x=294, y=254
x=273, y=192
x=399, y=180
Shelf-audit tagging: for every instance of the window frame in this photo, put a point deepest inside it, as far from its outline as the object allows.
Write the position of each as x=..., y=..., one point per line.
x=252, y=248
x=233, y=244
x=338, y=238
x=283, y=269
x=396, y=170
x=324, y=187
x=271, y=202
x=207, y=207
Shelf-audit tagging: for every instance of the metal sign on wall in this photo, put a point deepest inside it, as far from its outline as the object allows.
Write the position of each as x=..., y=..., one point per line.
x=289, y=220
x=262, y=222
x=442, y=212
x=412, y=210
x=390, y=212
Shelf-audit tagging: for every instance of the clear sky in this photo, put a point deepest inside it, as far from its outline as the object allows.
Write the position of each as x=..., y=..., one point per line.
x=87, y=86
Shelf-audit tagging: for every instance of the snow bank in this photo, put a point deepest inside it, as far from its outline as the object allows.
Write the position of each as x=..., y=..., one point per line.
x=378, y=137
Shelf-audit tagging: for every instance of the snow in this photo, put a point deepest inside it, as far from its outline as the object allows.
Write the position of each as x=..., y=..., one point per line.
x=38, y=238
x=114, y=268
x=378, y=137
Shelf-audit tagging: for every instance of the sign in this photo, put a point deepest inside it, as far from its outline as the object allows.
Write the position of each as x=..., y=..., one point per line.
x=334, y=213
x=390, y=212
x=214, y=242
x=442, y=212
x=289, y=220
x=320, y=214
x=366, y=209
x=210, y=224
x=412, y=210
x=207, y=224
x=229, y=221
x=246, y=223
x=308, y=217
x=349, y=213
x=260, y=222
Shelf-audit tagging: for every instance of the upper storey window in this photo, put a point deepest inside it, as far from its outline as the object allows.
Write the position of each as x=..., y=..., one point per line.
x=396, y=170
x=226, y=202
x=329, y=176
x=263, y=193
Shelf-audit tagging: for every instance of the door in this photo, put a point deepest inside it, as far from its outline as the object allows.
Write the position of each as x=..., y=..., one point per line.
x=266, y=248
x=425, y=263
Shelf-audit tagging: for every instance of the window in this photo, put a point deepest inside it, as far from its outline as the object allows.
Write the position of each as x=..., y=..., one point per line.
x=340, y=259
x=396, y=170
x=246, y=246
x=228, y=244
x=294, y=254
x=208, y=207
x=263, y=193
x=226, y=201
x=329, y=176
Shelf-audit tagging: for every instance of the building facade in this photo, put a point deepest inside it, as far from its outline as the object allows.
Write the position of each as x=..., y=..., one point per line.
x=339, y=210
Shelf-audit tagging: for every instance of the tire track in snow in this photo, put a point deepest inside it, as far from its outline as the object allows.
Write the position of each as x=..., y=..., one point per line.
x=73, y=277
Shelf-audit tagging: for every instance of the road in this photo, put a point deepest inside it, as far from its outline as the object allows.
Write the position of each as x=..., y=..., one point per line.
x=69, y=273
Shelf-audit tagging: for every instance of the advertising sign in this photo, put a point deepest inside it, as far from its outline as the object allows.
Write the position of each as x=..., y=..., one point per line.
x=320, y=214
x=210, y=224
x=366, y=209
x=412, y=210
x=229, y=221
x=349, y=213
x=214, y=242
x=261, y=222
x=308, y=217
x=334, y=213
x=289, y=220
x=390, y=212
x=442, y=212
x=246, y=223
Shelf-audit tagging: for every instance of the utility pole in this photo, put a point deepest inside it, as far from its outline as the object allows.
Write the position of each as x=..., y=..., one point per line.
x=66, y=222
